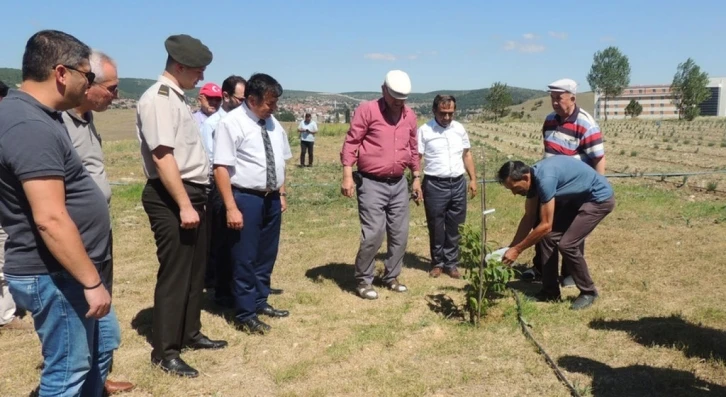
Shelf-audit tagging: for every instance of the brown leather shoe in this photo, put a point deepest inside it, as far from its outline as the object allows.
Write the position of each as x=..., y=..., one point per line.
x=112, y=387
x=17, y=324
x=453, y=273
x=435, y=272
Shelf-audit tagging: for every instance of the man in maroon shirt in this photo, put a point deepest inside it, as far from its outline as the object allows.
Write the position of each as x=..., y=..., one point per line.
x=382, y=141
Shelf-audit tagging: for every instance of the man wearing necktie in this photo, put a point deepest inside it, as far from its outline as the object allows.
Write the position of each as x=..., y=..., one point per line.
x=250, y=149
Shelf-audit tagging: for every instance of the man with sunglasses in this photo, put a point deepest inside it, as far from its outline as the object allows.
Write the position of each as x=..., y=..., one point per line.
x=56, y=218
x=87, y=142
x=219, y=270
x=174, y=198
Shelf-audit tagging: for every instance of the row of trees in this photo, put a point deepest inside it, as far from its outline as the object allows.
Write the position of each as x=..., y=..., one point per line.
x=610, y=74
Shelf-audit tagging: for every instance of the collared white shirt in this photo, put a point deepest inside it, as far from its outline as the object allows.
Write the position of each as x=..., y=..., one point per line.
x=207, y=131
x=443, y=148
x=238, y=144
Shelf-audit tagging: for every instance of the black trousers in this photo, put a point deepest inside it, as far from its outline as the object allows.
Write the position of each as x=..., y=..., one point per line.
x=219, y=266
x=306, y=146
x=445, y=207
x=182, y=255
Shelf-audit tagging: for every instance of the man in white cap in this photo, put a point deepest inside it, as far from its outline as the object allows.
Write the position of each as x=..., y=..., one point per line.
x=569, y=131
x=382, y=143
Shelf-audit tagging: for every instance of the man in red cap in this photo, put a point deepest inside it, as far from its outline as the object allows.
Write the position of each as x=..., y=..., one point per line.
x=210, y=98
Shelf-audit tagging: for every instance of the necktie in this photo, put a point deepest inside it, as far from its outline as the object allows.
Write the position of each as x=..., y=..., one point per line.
x=269, y=157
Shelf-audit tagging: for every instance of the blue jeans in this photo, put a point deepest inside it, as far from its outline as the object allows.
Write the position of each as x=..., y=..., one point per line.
x=254, y=251
x=77, y=351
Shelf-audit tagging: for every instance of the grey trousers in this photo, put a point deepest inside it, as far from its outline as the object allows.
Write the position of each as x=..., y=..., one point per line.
x=383, y=211
x=445, y=205
x=569, y=231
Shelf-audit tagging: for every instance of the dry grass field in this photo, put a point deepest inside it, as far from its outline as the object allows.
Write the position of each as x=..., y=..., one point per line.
x=659, y=328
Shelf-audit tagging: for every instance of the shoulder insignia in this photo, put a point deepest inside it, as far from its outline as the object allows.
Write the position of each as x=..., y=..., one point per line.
x=163, y=90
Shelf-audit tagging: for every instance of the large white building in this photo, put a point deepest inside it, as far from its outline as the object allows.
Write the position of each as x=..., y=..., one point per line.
x=657, y=102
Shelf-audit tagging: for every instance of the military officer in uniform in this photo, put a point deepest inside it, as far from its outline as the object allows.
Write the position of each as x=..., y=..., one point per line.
x=177, y=168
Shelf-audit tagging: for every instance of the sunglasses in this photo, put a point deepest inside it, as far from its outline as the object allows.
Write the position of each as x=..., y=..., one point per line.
x=90, y=76
x=113, y=90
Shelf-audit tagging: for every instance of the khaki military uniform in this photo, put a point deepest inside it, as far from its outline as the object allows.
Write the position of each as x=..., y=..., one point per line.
x=163, y=118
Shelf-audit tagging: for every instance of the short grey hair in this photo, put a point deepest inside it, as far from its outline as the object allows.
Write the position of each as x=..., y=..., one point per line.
x=97, y=60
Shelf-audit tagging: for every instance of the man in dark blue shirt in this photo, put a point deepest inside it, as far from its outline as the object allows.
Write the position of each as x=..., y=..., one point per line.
x=584, y=198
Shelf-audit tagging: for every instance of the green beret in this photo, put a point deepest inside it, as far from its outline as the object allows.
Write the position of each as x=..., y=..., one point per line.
x=188, y=51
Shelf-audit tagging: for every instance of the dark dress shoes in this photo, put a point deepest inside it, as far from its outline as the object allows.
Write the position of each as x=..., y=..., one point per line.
x=253, y=326
x=276, y=291
x=176, y=366
x=205, y=343
x=272, y=312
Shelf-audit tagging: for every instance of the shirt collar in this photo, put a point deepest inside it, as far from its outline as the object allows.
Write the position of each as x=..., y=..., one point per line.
x=250, y=113
x=167, y=81
x=25, y=97
x=571, y=118
x=85, y=119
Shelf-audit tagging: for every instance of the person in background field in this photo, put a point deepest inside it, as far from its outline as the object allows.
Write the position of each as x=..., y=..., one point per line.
x=250, y=150
x=87, y=142
x=8, y=320
x=584, y=198
x=444, y=146
x=56, y=219
x=569, y=131
x=307, y=129
x=174, y=198
x=219, y=269
x=210, y=99
x=382, y=142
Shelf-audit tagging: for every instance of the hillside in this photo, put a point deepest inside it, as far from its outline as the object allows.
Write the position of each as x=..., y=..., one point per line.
x=585, y=100
x=468, y=101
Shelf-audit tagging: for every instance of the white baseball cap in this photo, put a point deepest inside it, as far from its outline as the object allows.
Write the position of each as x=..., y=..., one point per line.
x=563, y=85
x=398, y=84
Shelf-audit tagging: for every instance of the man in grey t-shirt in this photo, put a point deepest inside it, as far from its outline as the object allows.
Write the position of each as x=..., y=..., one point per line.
x=55, y=216
x=87, y=142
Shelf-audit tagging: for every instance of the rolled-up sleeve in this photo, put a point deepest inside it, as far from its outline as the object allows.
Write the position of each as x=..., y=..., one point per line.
x=354, y=137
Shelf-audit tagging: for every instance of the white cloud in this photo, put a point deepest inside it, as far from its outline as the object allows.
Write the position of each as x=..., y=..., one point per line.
x=380, y=56
x=558, y=35
x=527, y=48
x=530, y=36
x=412, y=57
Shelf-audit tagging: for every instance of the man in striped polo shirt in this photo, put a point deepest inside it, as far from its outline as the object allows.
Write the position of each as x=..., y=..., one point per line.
x=570, y=131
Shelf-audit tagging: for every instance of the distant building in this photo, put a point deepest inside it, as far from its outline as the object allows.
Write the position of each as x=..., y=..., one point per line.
x=657, y=102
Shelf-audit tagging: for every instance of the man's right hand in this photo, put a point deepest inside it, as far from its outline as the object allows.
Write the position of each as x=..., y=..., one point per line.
x=189, y=218
x=347, y=188
x=234, y=219
x=99, y=302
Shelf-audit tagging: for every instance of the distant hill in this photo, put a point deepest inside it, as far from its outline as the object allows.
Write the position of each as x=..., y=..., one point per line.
x=468, y=101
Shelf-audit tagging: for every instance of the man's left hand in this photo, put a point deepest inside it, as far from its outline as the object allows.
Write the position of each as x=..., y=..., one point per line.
x=510, y=256
x=283, y=203
x=472, y=188
x=417, y=192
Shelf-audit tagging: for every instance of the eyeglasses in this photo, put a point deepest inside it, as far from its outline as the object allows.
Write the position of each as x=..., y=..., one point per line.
x=113, y=90
x=238, y=98
x=90, y=76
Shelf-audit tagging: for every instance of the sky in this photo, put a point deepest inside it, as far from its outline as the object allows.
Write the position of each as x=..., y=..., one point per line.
x=340, y=46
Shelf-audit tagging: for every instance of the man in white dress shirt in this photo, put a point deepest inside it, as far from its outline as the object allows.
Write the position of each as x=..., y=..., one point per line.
x=444, y=146
x=250, y=149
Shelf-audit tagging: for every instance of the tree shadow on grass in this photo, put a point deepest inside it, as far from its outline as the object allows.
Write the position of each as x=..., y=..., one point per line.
x=443, y=304
x=142, y=323
x=692, y=339
x=639, y=380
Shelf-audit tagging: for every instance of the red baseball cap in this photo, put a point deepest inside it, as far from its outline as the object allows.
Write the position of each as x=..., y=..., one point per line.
x=211, y=90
